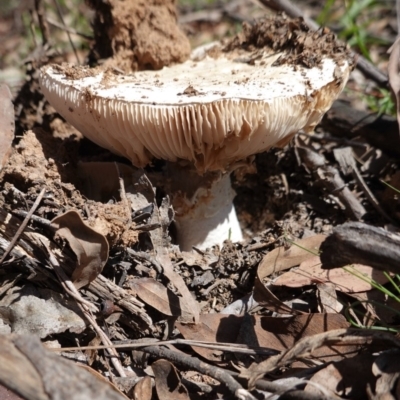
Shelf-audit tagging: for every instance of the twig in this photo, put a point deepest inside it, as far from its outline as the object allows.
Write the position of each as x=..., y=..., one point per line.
x=44, y=28
x=42, y=221
x=344, y=156
x=147, y=257
x=330, y=178
x=23, y=225
x=308, y=344
x=194, y=363
x=68, y=34
x=32, y=28
x=228, y=347
x=122, y=194
x=68, y=29
x=86, y=308
x=362, y=63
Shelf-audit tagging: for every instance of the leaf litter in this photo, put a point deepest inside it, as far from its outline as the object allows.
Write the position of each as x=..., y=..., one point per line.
x=97, y=266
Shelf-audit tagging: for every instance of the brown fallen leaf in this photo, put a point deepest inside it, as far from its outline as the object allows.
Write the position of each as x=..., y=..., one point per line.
x=327, y=298
x=143, y=389
x=101, y=378
x=343, y=377
x=89, y=246
x=387, y=370
x=281, y=259
x=283, y=333
x=219, y=328
x=188, y=301
x=310, y=272
x=168, y=382
x=7, y=124
x=156, y=295
x=269, y=332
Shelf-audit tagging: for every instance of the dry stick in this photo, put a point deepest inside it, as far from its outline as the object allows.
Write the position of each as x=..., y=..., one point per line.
x=147, y=257
x=67, y=29
x=67, y=285
x=330, y=178
x=355, y=242
x=122, y=194
x=68, y=34
x=23, y=225
x=44, y=28
x=32, y=28
x=86, y=307
x=344, y=156
x=229, y=347
x=194, y=363
x=362, y=63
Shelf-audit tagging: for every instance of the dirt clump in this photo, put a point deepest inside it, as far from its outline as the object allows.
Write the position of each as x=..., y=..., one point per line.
x=302, y=46
x=137, y=35
x=35, y=163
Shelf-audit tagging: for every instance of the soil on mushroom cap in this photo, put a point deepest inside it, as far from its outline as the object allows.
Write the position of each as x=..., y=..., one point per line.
x=137, y=35
x=302, y=45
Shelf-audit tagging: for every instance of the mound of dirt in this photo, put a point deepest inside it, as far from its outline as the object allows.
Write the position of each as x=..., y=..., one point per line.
x=137, y=35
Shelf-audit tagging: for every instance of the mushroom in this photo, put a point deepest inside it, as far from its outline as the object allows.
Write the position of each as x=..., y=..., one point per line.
x=207, y=115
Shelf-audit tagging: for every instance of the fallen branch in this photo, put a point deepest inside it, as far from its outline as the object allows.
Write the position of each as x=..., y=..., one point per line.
x=355, y=242
x=194, y=363
x=344, y=156
x=330, y=179
x=380, y=131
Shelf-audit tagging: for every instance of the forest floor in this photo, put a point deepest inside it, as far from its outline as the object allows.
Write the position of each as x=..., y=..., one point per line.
x=88, y=249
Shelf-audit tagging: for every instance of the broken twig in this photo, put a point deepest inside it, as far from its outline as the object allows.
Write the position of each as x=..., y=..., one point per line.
x=23, y=225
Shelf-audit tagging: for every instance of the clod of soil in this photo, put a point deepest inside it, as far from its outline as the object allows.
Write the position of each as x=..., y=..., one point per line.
x=137, y=35
x=306, y=47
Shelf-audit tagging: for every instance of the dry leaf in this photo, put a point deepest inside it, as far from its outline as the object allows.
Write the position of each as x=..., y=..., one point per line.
x=343, y=377
x=188, y=302
x=270, y=332
x=310, y=272
x=282, y=333
x=103, y=379
x=89, y=246
x=7, y=124
x=168, y=383
x=219, y=328
x=387, y=370
x=281, y=259
x=327, y=299
x=143, y=389
x=156, y=295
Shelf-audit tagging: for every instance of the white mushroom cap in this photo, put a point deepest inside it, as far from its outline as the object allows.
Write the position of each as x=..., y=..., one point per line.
x=212, y=111
x=228, y=102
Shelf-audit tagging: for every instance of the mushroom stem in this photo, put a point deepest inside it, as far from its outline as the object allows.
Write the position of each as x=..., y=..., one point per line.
x=204, y=212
